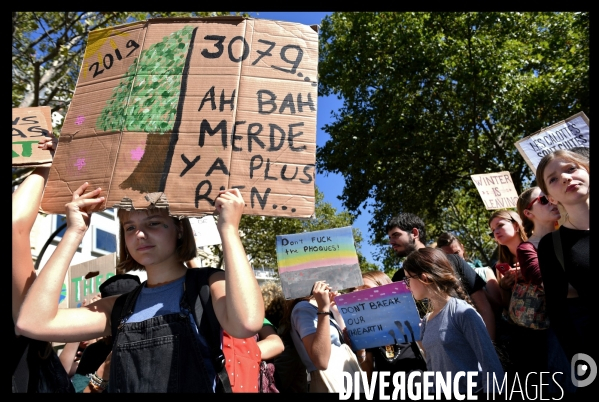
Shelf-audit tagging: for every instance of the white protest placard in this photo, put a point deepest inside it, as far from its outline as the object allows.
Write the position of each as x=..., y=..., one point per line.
x=496, y=190
x=570, y=133
x=205, y=232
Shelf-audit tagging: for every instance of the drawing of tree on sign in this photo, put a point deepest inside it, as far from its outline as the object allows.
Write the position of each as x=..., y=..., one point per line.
x=147, y=99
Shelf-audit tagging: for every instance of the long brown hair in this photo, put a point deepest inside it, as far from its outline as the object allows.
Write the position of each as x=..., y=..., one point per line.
x=274, y=302
x=523, y=200
x=378, y=277
x=505, y=255
x=433, y=263
x=285, y=323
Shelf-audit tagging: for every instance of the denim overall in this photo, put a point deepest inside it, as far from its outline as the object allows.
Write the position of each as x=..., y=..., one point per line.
x=160, y=354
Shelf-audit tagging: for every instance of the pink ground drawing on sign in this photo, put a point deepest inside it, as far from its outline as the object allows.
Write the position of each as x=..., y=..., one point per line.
x=80, y=163
x=79, y=121
x=137, y=153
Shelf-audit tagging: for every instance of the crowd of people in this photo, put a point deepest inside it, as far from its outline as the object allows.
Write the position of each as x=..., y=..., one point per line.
x=219, y=331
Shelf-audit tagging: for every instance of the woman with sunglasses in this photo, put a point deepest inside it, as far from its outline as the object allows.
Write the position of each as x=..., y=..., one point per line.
x=539, y=217
x=571, y=286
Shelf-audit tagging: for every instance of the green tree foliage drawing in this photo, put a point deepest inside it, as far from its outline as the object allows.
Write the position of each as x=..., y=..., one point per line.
x=430, y=98
x=146, y=99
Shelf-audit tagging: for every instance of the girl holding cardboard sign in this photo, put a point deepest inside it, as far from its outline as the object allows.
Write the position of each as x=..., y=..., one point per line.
x=159, y=323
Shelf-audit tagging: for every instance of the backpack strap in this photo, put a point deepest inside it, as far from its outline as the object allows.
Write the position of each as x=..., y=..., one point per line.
x=123, y=306
x=335, y=325
x=557, y=247
x=197, y=293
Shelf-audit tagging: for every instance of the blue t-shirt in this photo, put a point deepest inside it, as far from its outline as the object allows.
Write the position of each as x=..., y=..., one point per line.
x=303, y=323
x=163, y=300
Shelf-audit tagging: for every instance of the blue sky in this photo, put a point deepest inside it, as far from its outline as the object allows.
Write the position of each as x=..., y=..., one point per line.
x=332, y=184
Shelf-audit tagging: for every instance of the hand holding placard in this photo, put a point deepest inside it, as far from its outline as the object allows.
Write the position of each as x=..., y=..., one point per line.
x=322, y=296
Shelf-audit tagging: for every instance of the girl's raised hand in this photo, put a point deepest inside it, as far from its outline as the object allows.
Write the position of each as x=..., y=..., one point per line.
x=321, y=291
x=48, y=143
x=79, y=210
x=229, y=206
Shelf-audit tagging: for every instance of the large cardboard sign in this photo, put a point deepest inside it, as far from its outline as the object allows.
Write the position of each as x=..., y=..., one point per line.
x=29, y=126
x=496, y=190
x=323, y=255
x=83, y=280
x=380, y=316
x=167, y=112
x=205, y=232
x=570, y=133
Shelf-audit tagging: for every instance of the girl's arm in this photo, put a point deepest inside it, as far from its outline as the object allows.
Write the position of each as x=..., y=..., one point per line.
x=493, y=291
x=270, y=343
x=68, y=358
x=318, y=344
x=366, y=361
x=529, y=263
x=473, y=329
x=40, y=317
x=483, y=306
x=506, y=283
x=102, y=372
x=236, y=296
x=25, y=206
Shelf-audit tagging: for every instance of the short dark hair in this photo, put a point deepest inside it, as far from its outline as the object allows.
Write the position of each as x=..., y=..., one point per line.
x=406, y=222
x=445, y=239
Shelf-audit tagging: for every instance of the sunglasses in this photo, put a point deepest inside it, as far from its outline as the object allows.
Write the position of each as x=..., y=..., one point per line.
x=542, y=199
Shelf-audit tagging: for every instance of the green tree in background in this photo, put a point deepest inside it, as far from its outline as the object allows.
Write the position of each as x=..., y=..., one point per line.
x=430, y=98
x=48, y=47
x=259, y=233
x=47, y=51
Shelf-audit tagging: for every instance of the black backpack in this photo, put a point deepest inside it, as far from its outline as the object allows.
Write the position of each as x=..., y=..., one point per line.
x=39, y=369
x=197, y=294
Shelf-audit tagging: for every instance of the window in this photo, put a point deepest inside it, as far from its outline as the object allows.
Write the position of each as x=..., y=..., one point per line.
x=109, y=213
x=58, y=222
x=103, y=242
